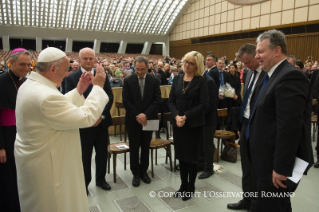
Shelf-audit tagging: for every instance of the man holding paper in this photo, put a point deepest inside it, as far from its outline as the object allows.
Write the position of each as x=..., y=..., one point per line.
x=141, y=98
x=279, y=128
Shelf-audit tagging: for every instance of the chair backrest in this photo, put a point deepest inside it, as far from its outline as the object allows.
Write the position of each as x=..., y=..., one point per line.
x=118, y=121
x=314, y=102
x=119, y=105
x=222, y=113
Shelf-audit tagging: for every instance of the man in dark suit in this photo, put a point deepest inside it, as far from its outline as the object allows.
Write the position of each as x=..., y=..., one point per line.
x=141, y=98
x=97, y=135
x=254, y=78
x=207, y=147
x=279, y=127
x=314, y=82
x=211, y=69
x=223, y=77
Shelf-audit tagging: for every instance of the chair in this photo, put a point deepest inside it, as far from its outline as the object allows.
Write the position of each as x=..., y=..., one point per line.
x=222, y=133
x=119, y=105
x=113, y=148
x=161, y=143
x=314, y=121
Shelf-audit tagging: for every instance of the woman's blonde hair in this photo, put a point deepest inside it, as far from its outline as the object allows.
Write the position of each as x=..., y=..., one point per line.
x=169, y=67
x=199, y=61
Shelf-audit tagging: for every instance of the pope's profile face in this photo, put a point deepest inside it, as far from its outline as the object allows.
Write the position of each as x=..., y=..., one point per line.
x=62, y=71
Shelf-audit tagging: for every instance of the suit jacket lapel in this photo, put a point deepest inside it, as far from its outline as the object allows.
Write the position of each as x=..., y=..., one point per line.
x=191, y=84
x=248, y=78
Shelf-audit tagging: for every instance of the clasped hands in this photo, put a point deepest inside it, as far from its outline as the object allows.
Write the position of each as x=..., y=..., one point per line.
x=87, y=79
x=180, y=120
x=141, y=119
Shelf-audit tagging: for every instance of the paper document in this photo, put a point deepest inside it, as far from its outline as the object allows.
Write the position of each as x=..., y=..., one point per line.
x=123, y=146
x=152, y=125
x=299, y=168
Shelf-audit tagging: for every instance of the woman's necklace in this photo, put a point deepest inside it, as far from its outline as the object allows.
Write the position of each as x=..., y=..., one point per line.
x=15, y=85
x=184, y=89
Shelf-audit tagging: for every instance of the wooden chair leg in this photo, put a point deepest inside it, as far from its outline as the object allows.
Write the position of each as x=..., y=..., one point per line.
x=152, y=166
x=125, y=161
x=115, y=131
x=114, y=167
x=108, y=162
x=155, y=156
x=170, y=156
x=120, y=132
x=218, y=150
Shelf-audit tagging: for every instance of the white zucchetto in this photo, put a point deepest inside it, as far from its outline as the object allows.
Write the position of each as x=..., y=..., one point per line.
x=50, y=54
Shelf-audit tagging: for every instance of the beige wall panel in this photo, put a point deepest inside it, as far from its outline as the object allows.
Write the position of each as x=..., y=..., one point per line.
x=196, y=33
x=188, y=26
x=201, y=22
x=223, y=28
x=264, y=21
x=238, y=26
x=206, y=14
x=218, y=8
x=196, y=24
x=183, y=35
x=201, y=32
x=212, y=20
x=217, y=19
x=255, y=22
x=231, y=6
x=265, y=8
x=192, y=25
x=197, y=5
x=212, y=10
x=288, y=4
x=184, y=27
x=255, y=10
x=223, y=17
x=188, y=17
x=246, y=11
x=246, y=24
x=201, y=13
x=301, y=14
x=301, y=3
x=314, y=12
x=238, y=13
x=216, y=1
x=275, y=19
x=224, y=6
x=287, y=17
x=207, y=3
x=211, y=30
x=205, y=31
x=217, y=28
x=206, y=21
x=202, y=4
x=230, y=15
x=197, y=14
x=192, y=33
x=314, y=2
x=230, y=26
x=188, y=34
x=276, y=5
x=192, y=16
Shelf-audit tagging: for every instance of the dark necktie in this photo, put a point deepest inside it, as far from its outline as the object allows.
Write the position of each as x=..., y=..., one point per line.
x=221, y=78
x=252, y=112
x=246, y=97
x=205, y=73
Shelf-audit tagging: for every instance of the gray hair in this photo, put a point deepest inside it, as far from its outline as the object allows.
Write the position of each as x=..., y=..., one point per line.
x=15, y=56
x=212, y=56
x=44, y=66
x=291, y=57
x=141, y=59
x=275, y=38
x=86, y=48
x=248, y=48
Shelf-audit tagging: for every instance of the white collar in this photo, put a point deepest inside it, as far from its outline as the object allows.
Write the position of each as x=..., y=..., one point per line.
x=274, y=68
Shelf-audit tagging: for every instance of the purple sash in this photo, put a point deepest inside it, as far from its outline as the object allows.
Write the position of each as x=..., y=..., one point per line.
x=7, y=117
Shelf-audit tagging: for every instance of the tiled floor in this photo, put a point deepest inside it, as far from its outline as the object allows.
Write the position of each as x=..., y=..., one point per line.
x=157, y=195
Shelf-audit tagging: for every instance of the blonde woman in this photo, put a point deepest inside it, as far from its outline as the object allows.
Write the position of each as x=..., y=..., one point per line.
x=188, y=101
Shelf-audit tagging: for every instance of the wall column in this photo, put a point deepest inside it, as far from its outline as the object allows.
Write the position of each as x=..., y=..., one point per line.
x=38, y=44
x=68, y=44
x=5, y=43
x=97, y=46
x=147, y=48
x=122, y=47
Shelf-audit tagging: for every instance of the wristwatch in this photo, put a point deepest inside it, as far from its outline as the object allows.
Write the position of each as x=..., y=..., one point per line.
x=103, y=117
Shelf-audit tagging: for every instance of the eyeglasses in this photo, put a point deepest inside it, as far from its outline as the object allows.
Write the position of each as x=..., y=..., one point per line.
x=189, y=63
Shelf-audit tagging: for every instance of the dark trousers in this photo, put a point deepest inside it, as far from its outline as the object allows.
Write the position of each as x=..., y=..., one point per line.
x=139, y=138
x=188, y=173
x=207, y=148
x=9, y=198
x=249, y=182
x=272, y=199
x=96, y=137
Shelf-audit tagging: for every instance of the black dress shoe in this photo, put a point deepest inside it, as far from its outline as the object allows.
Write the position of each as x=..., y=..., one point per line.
x=206, y=174
x=316, y=165
x=181, y=191
x=145, y=178
x=104, y=185
x=239, y=206
x=136, y=181
x=189, y=193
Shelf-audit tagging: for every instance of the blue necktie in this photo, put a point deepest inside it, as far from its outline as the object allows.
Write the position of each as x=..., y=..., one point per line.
x=243, y=107
x=221, y=78
x=205, y=73
x=254, y=108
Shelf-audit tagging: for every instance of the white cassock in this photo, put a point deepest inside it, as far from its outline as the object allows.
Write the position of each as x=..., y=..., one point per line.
x=47, y=147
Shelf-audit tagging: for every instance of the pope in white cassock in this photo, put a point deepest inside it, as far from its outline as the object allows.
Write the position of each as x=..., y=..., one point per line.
x=47, y=147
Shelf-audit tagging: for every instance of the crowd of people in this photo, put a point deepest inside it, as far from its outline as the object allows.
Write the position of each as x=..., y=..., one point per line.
x=50, y=122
